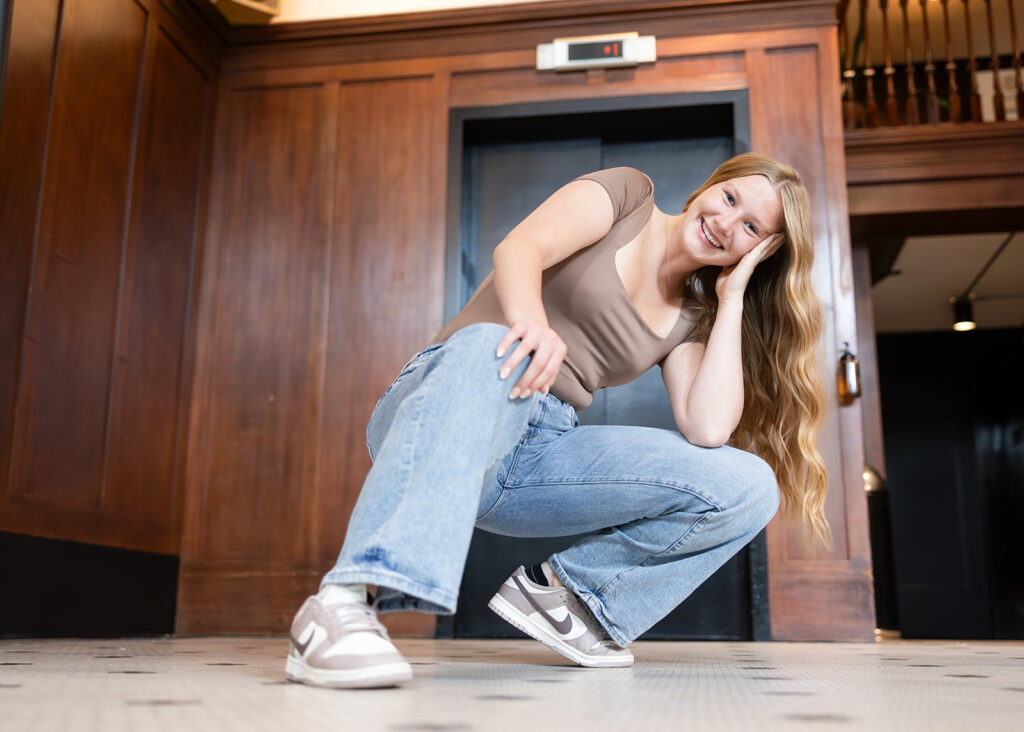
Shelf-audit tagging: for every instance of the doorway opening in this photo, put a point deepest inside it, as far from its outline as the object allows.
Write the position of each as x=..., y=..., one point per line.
x=504, y=162
x=951, y=423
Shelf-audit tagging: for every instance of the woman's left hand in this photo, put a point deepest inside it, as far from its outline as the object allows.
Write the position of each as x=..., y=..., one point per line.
x=733, y=280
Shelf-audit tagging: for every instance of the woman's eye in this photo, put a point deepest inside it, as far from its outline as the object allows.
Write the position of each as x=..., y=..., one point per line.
x=729, y=199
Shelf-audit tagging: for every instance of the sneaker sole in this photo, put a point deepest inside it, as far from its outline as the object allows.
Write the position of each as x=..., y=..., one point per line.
x=391, y=674
x=510, y=614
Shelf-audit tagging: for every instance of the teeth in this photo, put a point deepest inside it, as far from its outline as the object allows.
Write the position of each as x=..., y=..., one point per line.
x=707, y=233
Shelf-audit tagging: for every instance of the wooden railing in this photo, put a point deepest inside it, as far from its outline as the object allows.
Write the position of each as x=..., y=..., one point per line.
x=911, y=62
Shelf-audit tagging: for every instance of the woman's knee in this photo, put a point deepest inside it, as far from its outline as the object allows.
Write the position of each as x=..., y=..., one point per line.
x=763, y=494
x=471, y=364
x=475, y=348
x=478, y=337
x=750, y=488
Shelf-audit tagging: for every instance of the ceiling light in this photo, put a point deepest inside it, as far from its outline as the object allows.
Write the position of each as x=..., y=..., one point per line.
x=963, y=308
x=963, y=315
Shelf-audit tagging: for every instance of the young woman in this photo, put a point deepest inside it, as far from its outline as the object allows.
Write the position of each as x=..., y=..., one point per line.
x=481, y=428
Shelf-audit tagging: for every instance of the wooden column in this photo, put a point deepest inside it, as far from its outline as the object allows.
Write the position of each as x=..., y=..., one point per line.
x=867, y=355
x=795, y=115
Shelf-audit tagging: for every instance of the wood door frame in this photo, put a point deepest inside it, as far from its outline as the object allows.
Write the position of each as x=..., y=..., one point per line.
x=6, y=11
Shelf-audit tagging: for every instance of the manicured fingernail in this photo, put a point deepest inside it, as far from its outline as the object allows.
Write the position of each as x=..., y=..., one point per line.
x=514, y=393
x=525, y=394
x=504, y=373
x=501, y=352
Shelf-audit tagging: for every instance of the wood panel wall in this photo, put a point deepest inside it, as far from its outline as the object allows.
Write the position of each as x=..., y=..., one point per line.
x=101, y=161
x=324, y=268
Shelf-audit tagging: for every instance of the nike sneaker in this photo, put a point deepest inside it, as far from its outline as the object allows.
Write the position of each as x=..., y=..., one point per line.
x=559, y=620
x=337, y=641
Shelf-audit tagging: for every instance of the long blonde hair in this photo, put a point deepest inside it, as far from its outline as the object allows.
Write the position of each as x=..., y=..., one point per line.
x=784, y=399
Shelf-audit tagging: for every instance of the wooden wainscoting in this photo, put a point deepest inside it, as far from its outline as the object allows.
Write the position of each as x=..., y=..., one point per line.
x=101, y=159
x=324, y=266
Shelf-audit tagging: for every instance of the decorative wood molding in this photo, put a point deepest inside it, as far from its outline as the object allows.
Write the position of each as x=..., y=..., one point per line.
x=509, y=17
x=963, y=167
x=923, y=153
x=507, y=28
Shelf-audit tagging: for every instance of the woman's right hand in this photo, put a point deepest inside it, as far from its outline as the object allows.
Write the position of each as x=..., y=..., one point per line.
x=546, y=348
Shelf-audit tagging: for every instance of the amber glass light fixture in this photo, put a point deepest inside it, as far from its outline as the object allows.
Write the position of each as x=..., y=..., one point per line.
x=848, y=376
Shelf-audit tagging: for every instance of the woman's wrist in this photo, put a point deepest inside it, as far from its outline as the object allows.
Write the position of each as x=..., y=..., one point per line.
x=514, y=317
x=730, y=303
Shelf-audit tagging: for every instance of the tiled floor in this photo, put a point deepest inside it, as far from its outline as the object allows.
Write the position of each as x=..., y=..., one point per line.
x=236, y=683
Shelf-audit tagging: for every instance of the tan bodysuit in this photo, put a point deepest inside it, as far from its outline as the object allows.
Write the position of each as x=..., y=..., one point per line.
x=608, y=341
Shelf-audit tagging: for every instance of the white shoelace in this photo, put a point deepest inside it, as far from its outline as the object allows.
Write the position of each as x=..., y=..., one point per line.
x=356, y=618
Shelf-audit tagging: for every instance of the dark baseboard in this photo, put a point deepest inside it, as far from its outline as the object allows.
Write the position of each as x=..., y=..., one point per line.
x=54, y=588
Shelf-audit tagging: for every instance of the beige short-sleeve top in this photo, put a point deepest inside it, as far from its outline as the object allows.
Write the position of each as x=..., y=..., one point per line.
x=608, y=341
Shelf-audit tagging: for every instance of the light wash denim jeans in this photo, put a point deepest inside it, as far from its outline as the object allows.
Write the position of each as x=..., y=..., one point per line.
x=451, y=452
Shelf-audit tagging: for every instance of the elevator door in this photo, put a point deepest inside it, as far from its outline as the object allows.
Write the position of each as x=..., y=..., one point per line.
x=509, y=166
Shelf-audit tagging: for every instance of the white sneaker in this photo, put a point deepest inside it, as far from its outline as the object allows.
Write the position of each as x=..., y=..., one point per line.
x=337, y=641
x=575, y=633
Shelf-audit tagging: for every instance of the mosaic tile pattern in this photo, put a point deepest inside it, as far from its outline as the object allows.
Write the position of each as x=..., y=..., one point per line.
x=237, y=683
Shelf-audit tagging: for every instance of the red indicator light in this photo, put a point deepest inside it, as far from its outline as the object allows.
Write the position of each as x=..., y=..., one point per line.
x=593, y=50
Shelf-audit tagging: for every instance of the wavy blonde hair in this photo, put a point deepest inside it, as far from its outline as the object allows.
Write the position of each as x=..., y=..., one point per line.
x=784, y=398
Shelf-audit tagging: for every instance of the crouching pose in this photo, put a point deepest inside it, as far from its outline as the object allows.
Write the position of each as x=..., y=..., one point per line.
x=480, y=429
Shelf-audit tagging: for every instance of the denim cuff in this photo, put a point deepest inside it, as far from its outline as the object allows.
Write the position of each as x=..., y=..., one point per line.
x=391, y=600
x=591, y=601
x=395, y=592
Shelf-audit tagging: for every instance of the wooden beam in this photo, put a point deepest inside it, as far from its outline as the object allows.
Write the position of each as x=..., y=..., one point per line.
x=865, y=227
x=935, y=168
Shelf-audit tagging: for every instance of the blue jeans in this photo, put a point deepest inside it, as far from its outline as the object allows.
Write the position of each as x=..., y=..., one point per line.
x=451, y=452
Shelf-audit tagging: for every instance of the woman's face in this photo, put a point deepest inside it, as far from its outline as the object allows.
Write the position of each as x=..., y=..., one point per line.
x=730, y=218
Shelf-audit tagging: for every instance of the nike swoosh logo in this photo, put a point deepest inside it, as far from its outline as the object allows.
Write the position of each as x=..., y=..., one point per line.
x=562, y=626
x=301, y=647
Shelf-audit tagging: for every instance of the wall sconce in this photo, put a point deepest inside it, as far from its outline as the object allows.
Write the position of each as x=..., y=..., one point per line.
x=963, y=314
x=848, y=376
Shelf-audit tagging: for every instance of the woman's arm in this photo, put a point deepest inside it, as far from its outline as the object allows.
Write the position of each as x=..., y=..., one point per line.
x=705, y=383
x=575, y=216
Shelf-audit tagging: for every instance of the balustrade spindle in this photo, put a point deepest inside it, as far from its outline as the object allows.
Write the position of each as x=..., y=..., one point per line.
x=1016, y=61
x=932, y=99
x=954, y=88
x=997, y=88
x=913, y=107
x=870, y=104
x=972, y=64
x=892, y=105
x=851, y=113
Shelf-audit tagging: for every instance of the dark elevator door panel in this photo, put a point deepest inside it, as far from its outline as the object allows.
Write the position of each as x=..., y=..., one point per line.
x=503, y=183
x=509, y=168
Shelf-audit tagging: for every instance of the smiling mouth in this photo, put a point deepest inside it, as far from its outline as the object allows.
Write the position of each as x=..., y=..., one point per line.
x=710, y=237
